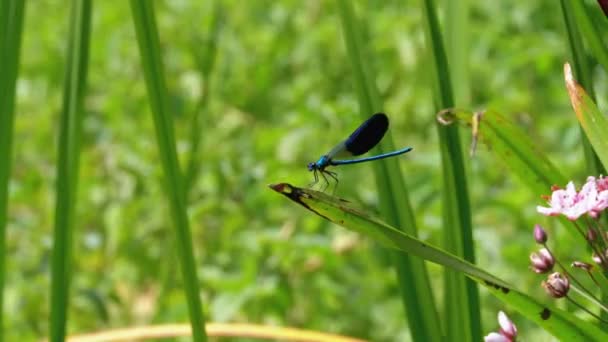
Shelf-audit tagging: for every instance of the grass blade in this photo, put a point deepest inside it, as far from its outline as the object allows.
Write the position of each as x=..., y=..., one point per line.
x=462, y=295
x=591, y=34
x=457, y=32
x=68, y=164
x=149, y=48
x=11, y=26
x=582, y=69
x=559, y=323
x=593, y=122
x=394, y=201
x=206, y=62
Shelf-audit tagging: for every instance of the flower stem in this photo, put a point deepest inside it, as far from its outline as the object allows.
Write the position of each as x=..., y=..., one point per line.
x=602, y=306
x=568, y=274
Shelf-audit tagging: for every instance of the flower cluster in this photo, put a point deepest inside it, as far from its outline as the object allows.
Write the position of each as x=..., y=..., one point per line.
x=591, y=199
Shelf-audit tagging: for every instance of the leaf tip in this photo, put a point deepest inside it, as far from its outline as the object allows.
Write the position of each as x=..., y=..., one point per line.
x=280, y=187
x=573, y=88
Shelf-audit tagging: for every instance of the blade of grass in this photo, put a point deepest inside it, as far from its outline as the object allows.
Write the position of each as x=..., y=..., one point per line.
x=206, y=62
x=395, y=206
x=457, y=29
x=593, y=122
x=149, y=48
x=573, y=12
x=68, y=164
x=462, y=295
x=11, y=26
x=582, y=71
x=345, y=214
x=590, y=33
x=562, y=325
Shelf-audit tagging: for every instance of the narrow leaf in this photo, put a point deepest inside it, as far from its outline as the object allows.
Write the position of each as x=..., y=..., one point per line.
x=11, y=26
x=511, y=145
x=582, y=67
x=594, y=123
x=395, y=206
x=149, y=48
x=591, y=34
x=561, y=324
x=68, y=164
x=461, y=296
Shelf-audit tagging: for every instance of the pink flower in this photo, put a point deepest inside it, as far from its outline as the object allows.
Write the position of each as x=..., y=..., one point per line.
x=591, y=199
x=543, y=261
x=507, y=332
x=602, y=183
x=495, y=337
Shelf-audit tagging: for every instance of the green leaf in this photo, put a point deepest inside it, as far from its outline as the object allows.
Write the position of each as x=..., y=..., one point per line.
x=462, y=296
x=68, y=164
x=149, y=48
x=592, y=35
x=594, y=123
x=11, y=26
x=560, y=324
x=582, y=67
x=511, y=145
x=412, y=274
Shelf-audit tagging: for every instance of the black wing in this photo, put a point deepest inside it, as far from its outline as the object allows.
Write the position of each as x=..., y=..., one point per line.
x=367, y=135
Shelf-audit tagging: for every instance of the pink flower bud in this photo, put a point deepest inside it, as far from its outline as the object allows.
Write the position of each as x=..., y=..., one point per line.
x=506, y=333
x=507, y=328
x=540, y=236
x=557, y=286
x=582, y=265
x=599, y=260
x=543, y=261
x=591, y=235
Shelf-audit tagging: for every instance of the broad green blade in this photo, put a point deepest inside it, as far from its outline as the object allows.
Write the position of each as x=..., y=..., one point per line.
x=560, y=324
x=594, y=123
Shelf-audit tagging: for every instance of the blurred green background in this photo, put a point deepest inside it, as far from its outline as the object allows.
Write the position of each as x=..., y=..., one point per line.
x=281, y=93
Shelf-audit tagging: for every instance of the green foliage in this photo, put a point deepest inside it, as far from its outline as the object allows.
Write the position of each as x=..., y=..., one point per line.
x=412, y=275
x=68, y=165
x=560, y=323
x=144, y=20
x=11, y=24
x=269, y=86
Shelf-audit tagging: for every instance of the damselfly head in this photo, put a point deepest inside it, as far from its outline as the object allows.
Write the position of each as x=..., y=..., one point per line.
x=312, y=166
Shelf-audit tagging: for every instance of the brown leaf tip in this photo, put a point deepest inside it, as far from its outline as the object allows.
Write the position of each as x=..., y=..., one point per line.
x=573, y=88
